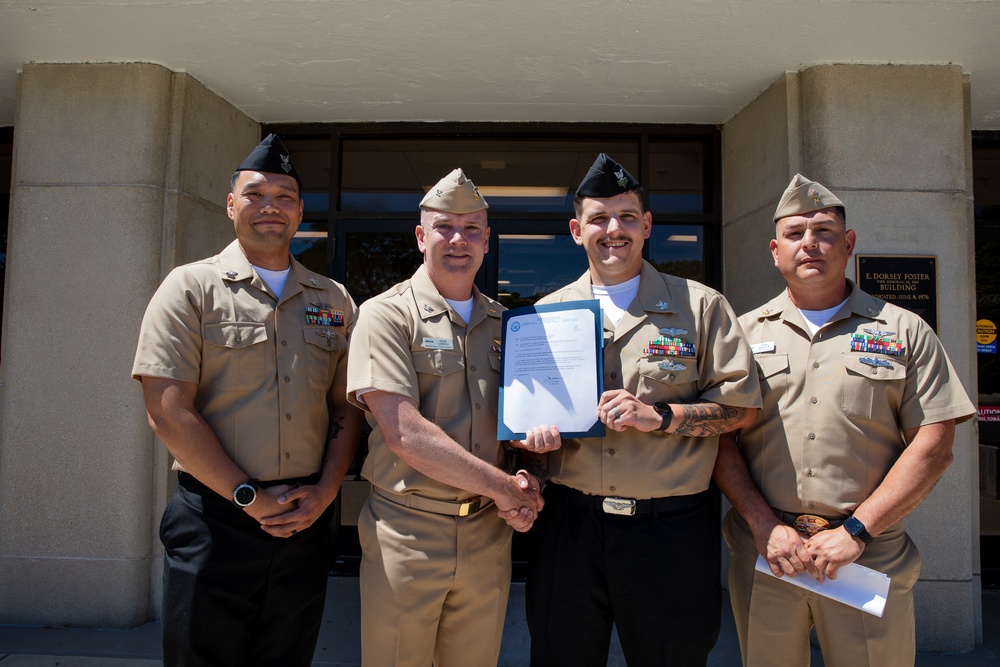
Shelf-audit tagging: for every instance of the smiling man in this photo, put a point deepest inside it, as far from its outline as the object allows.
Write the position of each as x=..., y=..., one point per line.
x=243, y=363
x=859, y=410
x=425, y=362
x=628, y=537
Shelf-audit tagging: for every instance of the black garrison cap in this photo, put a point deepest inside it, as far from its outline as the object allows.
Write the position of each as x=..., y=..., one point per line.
x=606, y=178
x=271, y=156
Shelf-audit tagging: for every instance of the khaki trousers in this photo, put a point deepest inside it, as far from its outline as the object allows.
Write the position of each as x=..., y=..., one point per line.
x=433, y=587
x=773, y=618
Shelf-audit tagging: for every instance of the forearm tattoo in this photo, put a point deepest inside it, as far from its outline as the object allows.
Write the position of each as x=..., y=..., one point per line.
x=334, y=429
x=705, y=419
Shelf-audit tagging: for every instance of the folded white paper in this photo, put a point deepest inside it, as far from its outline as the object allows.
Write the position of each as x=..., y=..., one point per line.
x=856, y=585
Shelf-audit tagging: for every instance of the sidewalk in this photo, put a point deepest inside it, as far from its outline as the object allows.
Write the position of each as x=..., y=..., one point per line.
x=22, y=646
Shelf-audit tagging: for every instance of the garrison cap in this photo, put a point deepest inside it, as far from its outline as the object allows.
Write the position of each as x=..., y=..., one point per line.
x=272, y=157
x=606, y=178
x=454, y=194
x=805, y=196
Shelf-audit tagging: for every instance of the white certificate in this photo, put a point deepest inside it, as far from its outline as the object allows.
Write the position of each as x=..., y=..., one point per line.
x=856, y=585
x=551, y=369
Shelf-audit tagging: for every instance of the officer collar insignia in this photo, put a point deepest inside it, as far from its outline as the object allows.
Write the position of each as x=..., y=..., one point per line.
x=877, y=341
x=313, y=281
x=428, y=308
x=872, y=312
x=875, y=362
x=662, y=305
x=231, y=274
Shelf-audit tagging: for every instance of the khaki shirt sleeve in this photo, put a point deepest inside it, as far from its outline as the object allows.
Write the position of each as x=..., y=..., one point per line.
x=380, y=356
x=729, y=374
x=932, y=391
x=170, y=339
x=350, y=322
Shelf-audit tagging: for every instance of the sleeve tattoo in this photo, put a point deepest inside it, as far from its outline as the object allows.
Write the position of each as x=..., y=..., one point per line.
x=706, y=419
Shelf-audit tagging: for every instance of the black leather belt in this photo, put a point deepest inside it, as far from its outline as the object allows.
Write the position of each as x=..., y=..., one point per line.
x=191, y=483
x=557, y=494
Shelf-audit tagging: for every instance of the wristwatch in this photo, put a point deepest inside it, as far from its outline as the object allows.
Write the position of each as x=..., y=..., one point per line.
x=666, y=414
x=857, y=529
x=245, y=494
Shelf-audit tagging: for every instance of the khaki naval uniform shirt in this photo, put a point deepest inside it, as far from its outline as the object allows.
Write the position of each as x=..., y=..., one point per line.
x=832, y=421
x=263, y=371
x=641, y=465
x=410, y=342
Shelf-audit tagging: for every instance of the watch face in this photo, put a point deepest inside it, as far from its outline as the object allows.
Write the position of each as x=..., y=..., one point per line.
x=244, y=495
x=853, y=526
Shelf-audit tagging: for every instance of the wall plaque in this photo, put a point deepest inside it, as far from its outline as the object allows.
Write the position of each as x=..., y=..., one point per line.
x=908, y=281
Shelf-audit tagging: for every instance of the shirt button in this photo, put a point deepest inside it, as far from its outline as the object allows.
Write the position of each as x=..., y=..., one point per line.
x=238, y=339
x=874, y=371
x=288, y=417
x=810, y=472
x=287, y=455
x=476, y=446
x=812, y=436
x=287, y=379
x=815, y=364
x=477, y=406
x=611, y=452
x=614, y=375
x=672, y=376
x=811, y=505
x=814, y=400
x=612, y=489
x=284, y=343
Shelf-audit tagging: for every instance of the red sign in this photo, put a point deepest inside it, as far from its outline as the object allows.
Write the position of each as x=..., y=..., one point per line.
x=989, y=413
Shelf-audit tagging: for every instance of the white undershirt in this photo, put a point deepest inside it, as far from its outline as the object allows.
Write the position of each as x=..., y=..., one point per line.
x=463, y=308
x=815, y=319
x=616, y=298
x=274, y=279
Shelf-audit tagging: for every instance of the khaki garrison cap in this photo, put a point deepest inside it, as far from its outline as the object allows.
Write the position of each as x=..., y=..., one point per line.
x=804, y=196
x=454, y=194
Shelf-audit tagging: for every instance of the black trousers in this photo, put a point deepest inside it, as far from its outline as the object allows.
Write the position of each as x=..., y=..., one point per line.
x=655, y=576
x=234, y=595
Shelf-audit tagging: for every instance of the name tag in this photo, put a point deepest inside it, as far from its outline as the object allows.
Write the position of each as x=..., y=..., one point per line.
x=762, y=347
x=438, y=344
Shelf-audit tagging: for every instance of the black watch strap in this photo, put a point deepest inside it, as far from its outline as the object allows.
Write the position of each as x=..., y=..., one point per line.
x=857, y=529
x=666, y=414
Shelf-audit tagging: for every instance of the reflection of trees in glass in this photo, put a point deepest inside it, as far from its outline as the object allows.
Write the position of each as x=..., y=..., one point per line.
x=312, y=255
x=692, y=269
x=376, y=262
x=988, y=308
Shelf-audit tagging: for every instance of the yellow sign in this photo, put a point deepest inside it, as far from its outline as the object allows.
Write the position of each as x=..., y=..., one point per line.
x=986, y=332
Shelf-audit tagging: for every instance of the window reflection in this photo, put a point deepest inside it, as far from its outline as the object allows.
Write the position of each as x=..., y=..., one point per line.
x=378, y=260
x=534, y=265
x=678, y=250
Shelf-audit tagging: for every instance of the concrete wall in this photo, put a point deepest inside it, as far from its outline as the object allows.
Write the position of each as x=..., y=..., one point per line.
x=119, y=172
x=894, y=143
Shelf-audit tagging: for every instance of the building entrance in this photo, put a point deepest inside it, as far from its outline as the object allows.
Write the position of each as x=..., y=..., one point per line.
x=362, y=185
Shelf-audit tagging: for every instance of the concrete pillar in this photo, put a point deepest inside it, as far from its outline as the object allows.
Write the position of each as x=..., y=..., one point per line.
x=894, y=143
x=120, y=171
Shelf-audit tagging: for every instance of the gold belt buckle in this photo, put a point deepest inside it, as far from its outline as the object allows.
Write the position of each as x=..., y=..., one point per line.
x=621, y=506
x=470, y=508
x=810, y=524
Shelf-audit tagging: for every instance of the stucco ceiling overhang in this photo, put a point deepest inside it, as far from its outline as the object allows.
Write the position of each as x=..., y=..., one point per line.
x=668, y=61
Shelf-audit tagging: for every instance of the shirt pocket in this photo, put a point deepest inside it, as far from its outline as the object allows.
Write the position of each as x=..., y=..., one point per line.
x=670, y=379
x=441, y=383
x=325, y=345
x=868, y=391
x=235, y=356
x=772, y=371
